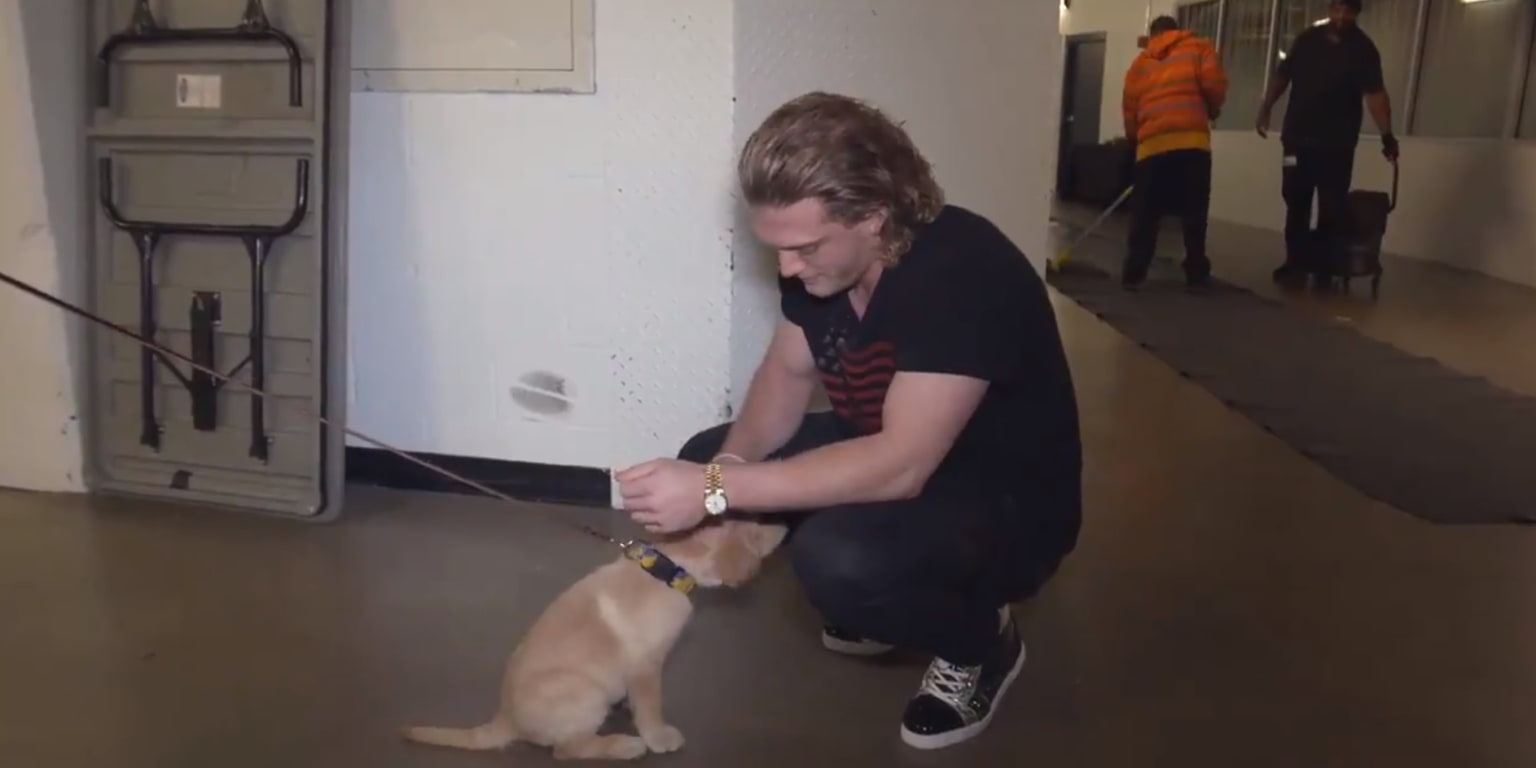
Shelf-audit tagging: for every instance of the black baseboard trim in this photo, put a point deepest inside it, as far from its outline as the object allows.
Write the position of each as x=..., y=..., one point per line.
x=524, y=481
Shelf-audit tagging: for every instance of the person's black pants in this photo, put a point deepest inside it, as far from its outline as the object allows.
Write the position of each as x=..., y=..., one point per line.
x=1327, y=173
x=1177, y=182
x=927, y=574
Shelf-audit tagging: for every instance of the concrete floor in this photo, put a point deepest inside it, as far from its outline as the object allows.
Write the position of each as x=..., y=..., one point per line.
x=1230, y=604
x=1465, y=320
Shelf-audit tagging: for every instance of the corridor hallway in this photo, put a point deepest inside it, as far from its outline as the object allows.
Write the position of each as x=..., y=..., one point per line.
x=1466, y=321
x=1230, y=604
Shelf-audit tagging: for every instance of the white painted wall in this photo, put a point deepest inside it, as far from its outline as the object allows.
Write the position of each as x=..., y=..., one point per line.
x=588, y=236
x=1465, y=203
x=1462, y=202
x=479, y=220
x=41, y=165
x=976, y=82
x=1122, y=22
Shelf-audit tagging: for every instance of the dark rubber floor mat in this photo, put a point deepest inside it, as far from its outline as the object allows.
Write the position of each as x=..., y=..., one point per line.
x=1405, y=430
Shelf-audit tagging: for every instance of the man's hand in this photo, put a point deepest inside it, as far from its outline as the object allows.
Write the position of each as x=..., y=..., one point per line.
x=1389, y=148
x=1277, y=88
x=664, y=495
x=1380, y=107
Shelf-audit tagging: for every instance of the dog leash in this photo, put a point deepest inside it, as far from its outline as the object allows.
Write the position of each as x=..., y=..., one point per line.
x=629, y=546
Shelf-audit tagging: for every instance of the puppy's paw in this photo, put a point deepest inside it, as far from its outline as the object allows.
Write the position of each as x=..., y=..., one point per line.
x=628, y=748
x=664, y=739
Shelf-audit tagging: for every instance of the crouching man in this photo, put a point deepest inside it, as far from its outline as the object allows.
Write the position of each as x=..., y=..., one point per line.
x=944, y=484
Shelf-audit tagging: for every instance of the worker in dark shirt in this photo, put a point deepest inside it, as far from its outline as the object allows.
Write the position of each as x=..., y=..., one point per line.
x=1330, y=68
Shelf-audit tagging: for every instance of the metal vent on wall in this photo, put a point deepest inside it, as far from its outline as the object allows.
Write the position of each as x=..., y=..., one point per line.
x=219, y=145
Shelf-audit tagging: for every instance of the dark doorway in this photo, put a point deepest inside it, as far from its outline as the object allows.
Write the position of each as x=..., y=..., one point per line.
x=1082, y=95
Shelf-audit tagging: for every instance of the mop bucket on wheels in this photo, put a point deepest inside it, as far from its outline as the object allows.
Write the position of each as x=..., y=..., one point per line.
x=1365, y=224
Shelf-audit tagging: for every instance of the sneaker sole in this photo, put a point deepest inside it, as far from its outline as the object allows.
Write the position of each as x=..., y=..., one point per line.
x=854, y=647
x=951, y=738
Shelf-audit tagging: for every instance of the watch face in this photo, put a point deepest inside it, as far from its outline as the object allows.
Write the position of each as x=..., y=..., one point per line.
x=714, y=503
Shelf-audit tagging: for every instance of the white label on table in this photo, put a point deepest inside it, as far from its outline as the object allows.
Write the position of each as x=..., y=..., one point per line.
x=199, y=91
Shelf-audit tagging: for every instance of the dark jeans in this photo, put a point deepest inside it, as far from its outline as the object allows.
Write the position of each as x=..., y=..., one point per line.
x=1177, y=182
x=1327, y=172
x=927, y=574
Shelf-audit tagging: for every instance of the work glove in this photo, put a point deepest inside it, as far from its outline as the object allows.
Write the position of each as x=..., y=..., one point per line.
x=1389, y=147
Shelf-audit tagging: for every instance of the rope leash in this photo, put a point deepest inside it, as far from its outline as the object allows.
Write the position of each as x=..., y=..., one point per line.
x=146, y=343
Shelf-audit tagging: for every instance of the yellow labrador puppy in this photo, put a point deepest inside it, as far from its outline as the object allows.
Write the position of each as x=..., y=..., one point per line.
x=606, y=638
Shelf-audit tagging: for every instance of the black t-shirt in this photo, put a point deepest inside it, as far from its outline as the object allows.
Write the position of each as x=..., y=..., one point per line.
x=1328, y=81
x=964, y=301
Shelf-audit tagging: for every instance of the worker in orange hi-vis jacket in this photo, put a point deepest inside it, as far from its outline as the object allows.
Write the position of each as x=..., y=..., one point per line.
x=1173, y=91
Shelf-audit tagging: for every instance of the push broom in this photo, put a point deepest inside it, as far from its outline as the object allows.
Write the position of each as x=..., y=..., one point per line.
x=1061, y=261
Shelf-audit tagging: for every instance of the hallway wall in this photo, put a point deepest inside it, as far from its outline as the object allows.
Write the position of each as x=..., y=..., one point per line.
x=1122, y=22
x=1463, y=197
x=587, y=242
x=41, y=234
x=966, y=77
x=596, y=236
x=1463, y=203
x=503, y=244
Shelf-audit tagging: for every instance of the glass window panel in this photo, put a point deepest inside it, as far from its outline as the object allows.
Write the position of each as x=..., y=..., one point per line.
x=1468, y=54
x=1244, y=47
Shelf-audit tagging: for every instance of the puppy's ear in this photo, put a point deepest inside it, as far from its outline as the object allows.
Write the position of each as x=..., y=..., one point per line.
x=735, y=562
x=764, y=538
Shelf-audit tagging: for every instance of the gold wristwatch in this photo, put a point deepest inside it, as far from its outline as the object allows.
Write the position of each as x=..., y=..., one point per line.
x=715, y=502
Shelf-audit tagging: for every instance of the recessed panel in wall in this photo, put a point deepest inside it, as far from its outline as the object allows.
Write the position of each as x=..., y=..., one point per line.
x=470, y=45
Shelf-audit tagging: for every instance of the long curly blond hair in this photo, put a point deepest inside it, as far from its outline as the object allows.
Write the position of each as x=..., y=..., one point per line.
x=847, y=154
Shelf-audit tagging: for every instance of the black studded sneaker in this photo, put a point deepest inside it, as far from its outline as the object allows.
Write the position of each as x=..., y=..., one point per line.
x=843, y=641
x=957, y=702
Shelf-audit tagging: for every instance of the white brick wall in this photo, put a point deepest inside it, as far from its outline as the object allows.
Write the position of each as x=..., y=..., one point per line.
x=1462, y=202
x=590, y=237
x=975, y=81
x=40, y=225
x=495, y=235
x=503, y=237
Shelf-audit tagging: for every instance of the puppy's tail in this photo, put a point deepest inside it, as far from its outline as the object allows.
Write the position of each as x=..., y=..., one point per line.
x=496, y=734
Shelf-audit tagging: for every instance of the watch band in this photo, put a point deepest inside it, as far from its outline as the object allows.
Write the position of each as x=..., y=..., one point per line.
x=714, y=489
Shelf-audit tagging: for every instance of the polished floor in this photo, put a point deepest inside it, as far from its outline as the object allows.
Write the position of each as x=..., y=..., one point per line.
x=1230, y=605
x=1466, y=321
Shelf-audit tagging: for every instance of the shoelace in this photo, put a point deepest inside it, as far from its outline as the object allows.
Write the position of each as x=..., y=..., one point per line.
x=951, y=683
